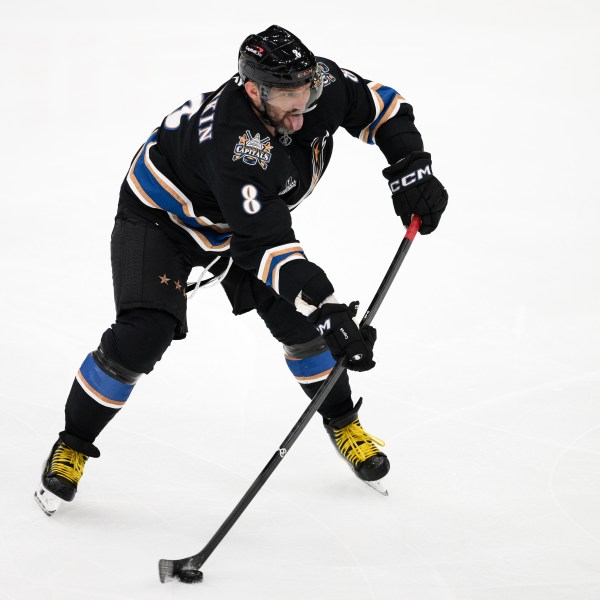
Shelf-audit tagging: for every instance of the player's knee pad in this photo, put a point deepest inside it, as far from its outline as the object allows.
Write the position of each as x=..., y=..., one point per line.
x=113, y=368
x=285, y=323
x=103, y=380
x=309, y=362
x=138, y=339
x=129, y=348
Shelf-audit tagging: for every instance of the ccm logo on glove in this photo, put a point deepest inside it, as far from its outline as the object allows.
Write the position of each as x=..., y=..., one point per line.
x=325, y=326
x=417, y=191
x=410, y=178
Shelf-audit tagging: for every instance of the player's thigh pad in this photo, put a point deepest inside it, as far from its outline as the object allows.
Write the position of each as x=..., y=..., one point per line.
x=148, y=270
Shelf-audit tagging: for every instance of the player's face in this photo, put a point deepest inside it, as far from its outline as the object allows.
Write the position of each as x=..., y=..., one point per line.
x=289, y=99
x=285, y=106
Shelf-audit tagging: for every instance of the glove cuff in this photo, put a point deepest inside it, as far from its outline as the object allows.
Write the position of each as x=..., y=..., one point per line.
x=328, y=307
x=307, y=309
x=403, y=164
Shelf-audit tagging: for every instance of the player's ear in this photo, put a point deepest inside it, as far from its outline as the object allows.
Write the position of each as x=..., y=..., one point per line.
x=253, y=92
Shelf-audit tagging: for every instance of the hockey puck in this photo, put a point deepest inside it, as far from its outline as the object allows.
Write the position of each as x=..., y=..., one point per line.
x=189, y=576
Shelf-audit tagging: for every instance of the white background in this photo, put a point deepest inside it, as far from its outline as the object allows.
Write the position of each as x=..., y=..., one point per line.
x=487, y=383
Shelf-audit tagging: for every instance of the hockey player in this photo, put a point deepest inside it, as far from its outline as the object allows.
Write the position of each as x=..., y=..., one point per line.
x=214, y=186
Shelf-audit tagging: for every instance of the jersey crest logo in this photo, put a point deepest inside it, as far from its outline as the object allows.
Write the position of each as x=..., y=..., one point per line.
x=326, y=76
x=253, y=150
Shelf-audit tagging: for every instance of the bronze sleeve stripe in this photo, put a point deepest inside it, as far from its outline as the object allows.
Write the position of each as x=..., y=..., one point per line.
x=203, y=239
x=169, y=187
x=397, y=100
x=137, y=185
x=265, y=273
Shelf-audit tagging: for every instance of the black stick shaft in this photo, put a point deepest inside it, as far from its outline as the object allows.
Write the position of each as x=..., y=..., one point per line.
x=198, y=560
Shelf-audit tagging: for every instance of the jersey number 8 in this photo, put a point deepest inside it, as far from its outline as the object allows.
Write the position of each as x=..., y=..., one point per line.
x=251, y=204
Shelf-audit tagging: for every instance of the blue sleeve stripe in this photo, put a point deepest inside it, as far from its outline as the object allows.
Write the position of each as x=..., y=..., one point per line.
x=387, y=102
x=157, y=191
x=311, y=369
x=274, y=258
x=387, y=94
x=205, y=237
x=100, y=386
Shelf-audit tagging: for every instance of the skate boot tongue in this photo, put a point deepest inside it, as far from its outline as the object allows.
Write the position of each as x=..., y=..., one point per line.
x=346, y=418
x=78, y=445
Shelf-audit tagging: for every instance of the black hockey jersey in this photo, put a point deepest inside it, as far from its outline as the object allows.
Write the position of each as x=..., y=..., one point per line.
x=219, y=175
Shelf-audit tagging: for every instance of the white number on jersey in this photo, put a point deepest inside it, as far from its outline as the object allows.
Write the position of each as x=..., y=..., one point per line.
x=251, y=204
x=349, y=75
x=188, y=109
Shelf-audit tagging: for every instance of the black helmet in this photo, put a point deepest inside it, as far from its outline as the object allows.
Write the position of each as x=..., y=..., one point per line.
x=277, y=58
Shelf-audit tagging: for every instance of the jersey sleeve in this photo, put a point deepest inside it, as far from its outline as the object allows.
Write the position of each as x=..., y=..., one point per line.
x=263, y=241
x=378, y=114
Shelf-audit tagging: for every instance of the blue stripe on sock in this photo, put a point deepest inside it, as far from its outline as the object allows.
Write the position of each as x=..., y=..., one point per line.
x=311, y=366
x=104, y=384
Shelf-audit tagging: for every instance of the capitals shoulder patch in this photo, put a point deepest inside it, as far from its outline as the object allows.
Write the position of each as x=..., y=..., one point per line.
x=325, y=74
x=253, y=150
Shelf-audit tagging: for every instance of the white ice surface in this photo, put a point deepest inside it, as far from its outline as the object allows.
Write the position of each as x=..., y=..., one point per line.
x=487, y=383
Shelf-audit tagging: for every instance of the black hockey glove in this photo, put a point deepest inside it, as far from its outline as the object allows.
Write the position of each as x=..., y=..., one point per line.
x=342, y=336
x=416, y=190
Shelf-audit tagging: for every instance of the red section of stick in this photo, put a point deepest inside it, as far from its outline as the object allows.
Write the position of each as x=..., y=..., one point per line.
x=413, y=228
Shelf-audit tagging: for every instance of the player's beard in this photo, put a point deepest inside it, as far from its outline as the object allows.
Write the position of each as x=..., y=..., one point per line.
x=297, y=120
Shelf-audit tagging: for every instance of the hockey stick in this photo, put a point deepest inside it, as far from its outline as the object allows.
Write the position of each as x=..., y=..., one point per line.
x=187, y=570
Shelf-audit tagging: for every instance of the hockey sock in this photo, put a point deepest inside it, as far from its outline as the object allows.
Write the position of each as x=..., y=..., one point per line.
x=311, y=363
x=138, y=339
x=98, y=393
x=306, y=354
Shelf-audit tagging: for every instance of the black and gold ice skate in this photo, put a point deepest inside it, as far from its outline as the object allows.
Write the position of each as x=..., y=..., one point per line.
x=61, y=474
x=358, y=448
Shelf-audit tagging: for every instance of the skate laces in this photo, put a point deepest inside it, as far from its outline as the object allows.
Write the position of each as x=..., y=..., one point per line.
x=68, y=463
x=355, y=443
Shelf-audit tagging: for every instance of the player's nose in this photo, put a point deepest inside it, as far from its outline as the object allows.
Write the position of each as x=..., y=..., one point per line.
x=300, y=102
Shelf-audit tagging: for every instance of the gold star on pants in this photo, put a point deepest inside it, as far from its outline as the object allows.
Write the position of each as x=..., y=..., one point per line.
x=164, y=279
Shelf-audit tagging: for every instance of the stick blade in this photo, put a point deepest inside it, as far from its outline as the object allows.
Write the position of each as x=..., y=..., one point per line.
x=166, y=570
x=185, y=570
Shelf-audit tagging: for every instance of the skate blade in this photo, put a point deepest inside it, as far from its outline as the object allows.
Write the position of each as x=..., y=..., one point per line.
x=46, y=500
x=378, y=486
